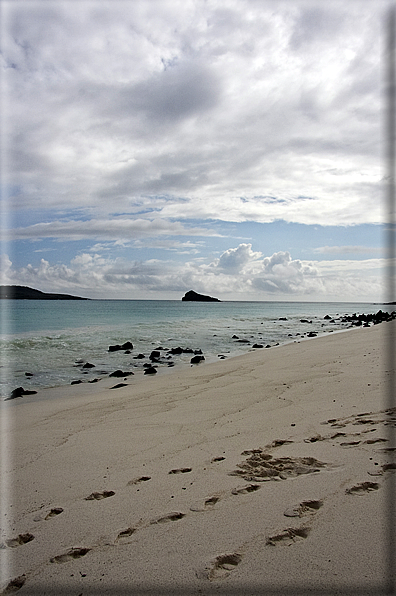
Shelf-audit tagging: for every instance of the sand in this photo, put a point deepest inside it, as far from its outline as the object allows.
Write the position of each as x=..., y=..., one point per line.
x=269, y=473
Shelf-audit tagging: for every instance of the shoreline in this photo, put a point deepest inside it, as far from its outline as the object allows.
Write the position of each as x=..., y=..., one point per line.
x=106, y=381
x=49, y=360
x=169, y=449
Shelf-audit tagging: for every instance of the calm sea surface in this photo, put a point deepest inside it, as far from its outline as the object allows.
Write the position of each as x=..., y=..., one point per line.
x=52, y=339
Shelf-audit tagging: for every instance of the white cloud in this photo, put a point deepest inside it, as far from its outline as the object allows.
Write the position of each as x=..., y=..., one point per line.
x=122, y=103
x=142, y=124
x=252, y=277
x=348, y=250
x=235, y=259
x=119, y=229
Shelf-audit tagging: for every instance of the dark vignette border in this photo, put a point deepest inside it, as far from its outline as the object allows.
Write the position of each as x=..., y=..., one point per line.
x=389, y=586
x=390, y=169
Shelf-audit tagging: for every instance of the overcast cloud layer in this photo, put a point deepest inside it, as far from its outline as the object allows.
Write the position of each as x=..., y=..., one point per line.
x=150, y=125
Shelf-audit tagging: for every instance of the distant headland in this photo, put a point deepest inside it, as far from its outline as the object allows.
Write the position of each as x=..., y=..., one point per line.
x=25, y=293
x=192, y=296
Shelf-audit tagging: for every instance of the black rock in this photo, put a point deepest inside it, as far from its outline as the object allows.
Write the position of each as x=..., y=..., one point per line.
x=139, y=357
x=120, y=373
x=176, y=350
x=76, y=382
x=197, y=359
x=28, y=374
x=88, y=365
x=150, y=370
x=19, y=392
x=258, y=346
x=305, y=321
x=127, y=346
x=192, y=296
x=311, y=334
x=154, y=354
x=235, y=337
x=282, y=319
x=327, y=317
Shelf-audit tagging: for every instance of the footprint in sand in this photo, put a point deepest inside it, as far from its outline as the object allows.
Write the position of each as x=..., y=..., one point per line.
x=350, y=444
x=304, y=508
x=243, y=490
x=219, y=458
x=362, y=487
x=391, y=466
x=207, y=504
x=278, y=443
x=125, y=534
x=180, y=471
x=174, y=516
x=138, y=480
x=99, y=496
x=14, y=585
x=288, y=536
x=55, y=511
x=314, y=439
x=223, y=565
x=73, y=553
x=372, y=441
x=19, y=540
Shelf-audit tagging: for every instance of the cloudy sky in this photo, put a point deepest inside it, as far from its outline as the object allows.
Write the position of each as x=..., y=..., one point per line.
x=233, y=147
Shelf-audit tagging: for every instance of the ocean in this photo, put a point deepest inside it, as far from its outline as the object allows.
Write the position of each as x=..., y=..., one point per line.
x=51, y=340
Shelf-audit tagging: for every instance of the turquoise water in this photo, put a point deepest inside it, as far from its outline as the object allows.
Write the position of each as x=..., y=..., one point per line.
x=52, y=339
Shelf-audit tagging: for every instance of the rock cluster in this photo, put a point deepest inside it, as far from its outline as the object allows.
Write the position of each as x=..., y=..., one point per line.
x=156, y=358
x=375, y=318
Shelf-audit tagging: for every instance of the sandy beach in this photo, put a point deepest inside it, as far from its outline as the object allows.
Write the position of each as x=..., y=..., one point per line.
x=269, y=473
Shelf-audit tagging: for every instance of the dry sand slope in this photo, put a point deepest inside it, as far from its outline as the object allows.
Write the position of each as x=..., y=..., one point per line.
x=269, y=473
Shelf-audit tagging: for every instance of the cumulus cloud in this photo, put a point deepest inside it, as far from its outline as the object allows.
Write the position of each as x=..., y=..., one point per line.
x=275, y=277
x=280, y=273
x=235, y=259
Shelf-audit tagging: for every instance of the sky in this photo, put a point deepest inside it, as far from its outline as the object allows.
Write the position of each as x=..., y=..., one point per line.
x=232, y=147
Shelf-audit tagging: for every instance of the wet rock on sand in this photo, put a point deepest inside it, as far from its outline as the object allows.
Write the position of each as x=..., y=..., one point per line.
x=20, y=392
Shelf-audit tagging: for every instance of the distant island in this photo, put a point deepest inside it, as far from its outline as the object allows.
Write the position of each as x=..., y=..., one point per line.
x=192, y=296
x=25, y=293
